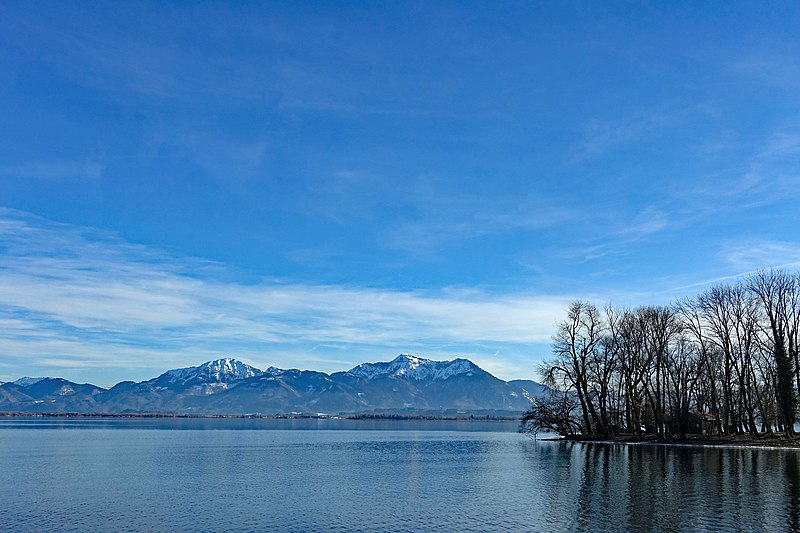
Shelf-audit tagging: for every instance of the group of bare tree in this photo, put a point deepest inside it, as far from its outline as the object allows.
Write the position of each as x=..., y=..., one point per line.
x=726, y=361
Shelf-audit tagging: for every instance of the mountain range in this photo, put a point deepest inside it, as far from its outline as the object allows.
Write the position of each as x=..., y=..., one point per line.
x=405, y=385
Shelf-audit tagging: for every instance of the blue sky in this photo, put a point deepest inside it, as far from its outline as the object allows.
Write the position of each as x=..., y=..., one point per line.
x=318, y=184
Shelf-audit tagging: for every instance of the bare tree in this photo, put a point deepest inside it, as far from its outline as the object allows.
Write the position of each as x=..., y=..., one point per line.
x=729, y=357
x=660, y=326
x=575, y=345
x=683, y=370
x=628, y=339
x=777, y=292
x=555, y=413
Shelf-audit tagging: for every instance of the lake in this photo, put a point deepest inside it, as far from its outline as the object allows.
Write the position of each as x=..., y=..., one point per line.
x=332, y=475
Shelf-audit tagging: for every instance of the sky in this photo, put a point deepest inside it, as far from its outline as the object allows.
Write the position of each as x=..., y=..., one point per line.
x=318, y=184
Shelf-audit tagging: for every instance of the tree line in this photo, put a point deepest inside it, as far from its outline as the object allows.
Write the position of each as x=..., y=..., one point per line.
x=726, y=362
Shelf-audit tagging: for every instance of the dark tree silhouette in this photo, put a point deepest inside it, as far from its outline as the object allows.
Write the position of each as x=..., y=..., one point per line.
x=725, y=362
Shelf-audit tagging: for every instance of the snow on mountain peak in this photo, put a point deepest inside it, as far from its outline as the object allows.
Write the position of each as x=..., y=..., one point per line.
x=416, y=368
x=274, y=371
x=27, y=381
x=223, y=370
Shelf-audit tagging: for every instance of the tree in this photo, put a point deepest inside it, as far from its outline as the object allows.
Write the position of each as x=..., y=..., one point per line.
x=778, y=294
x=724, y=361
x=575, y=345
x=625, y=339
x=554, y=413
x=659, y=327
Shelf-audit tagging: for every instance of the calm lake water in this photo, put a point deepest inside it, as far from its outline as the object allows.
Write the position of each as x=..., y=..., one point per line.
x=234, y=475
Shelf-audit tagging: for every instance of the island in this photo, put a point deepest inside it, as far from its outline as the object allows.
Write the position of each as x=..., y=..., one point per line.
x=720, y=368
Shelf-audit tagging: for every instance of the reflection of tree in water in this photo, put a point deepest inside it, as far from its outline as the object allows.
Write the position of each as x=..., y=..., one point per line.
x=618, y=487
x=793, y=489
x=647, y=480
x=655, y=488
x=598, y=490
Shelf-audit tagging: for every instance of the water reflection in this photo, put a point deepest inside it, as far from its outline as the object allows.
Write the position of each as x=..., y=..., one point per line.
x=615, y=487
x=237, y=476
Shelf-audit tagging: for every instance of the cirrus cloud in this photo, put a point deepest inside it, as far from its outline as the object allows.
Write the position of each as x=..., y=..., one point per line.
x=78, y=298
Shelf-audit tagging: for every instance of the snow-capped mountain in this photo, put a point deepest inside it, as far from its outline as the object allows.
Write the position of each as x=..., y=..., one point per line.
x=224, y=370
x=406, y=384
x=274, y=371
x=416, y=368
x=27, y=381
x=51, y=395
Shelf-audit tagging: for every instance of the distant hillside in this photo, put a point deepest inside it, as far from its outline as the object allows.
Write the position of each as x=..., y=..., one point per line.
x=405, y=385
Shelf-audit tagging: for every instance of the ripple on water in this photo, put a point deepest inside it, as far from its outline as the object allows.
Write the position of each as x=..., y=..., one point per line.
x=101, y=479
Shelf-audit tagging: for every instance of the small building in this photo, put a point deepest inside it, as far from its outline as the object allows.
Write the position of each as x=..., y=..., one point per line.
x=694, y=423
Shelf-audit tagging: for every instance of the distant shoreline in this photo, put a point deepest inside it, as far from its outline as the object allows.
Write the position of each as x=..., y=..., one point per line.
x=774, y=440
x=299, y=416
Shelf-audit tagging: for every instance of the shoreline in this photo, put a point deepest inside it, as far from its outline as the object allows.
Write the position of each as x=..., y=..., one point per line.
x=775, y=441
x=293, y=416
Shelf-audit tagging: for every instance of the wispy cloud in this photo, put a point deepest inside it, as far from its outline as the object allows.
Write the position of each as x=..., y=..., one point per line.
x=427, y=214
x=765, y=172
x=76, y=297
x=232, y=158
x=647, y=222
x=454, y=220
x=599, y=136
x=748, y=256
x=650, y=220
x=771, y=173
